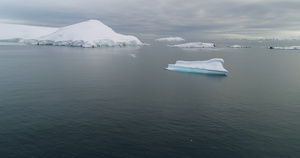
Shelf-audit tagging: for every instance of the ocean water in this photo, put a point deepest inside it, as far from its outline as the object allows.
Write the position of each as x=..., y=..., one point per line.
x=120, y=102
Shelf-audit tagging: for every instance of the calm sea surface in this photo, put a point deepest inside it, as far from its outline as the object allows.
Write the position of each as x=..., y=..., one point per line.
x=120, y=102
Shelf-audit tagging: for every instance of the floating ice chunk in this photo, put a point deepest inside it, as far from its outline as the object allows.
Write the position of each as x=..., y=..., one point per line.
x=212, y=66
x=194, y=45
x=286, y=48
x=170, y=39
x=238, y=46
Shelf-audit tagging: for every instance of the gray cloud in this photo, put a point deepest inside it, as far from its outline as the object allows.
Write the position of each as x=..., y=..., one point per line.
x=156, y=18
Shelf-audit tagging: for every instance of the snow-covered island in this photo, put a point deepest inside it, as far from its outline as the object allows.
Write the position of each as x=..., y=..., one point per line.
x=170, y=39
x=212, y=66
x=287, y=48
x=194, y=45
x=92, y=33
x=238, y=46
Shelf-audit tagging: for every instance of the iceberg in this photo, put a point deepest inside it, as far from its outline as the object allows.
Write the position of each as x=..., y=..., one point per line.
x=92, y=33
x=170, y=39
x=194, y=45
x=238, y=46
x=213, y=66
x=286, y=48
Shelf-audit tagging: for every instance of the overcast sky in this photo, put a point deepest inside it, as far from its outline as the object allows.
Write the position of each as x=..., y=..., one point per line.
x=160, y=18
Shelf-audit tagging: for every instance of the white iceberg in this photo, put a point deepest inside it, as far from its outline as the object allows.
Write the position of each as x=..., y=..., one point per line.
x=238, y=46
x=92, y=33
x=212, y=66
x=195, y=45
x=170, y=39
x=286, y=48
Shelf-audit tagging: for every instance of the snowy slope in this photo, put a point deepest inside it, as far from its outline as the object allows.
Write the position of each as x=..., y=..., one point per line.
x=92, y=33
x=12, y=31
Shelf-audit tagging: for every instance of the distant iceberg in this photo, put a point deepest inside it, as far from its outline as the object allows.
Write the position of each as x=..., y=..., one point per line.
x=92, y=33
x=194, y=45
x=286, y=48
x=238, y=46
x=212, y=66
x=170, y=39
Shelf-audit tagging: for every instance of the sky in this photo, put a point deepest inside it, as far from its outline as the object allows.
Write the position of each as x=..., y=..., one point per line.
x=194, y=19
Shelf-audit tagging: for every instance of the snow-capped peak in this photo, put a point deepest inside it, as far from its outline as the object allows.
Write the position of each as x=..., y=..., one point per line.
x=87, y=31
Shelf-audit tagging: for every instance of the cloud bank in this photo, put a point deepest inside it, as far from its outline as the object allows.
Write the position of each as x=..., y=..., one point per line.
x=152, y=19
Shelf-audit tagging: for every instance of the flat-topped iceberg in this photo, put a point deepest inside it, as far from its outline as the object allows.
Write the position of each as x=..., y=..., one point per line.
x=212, y=66
x=92, y=33
x=194, y=45
x=238, y=46
x=287, y=48
x=170, y=39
